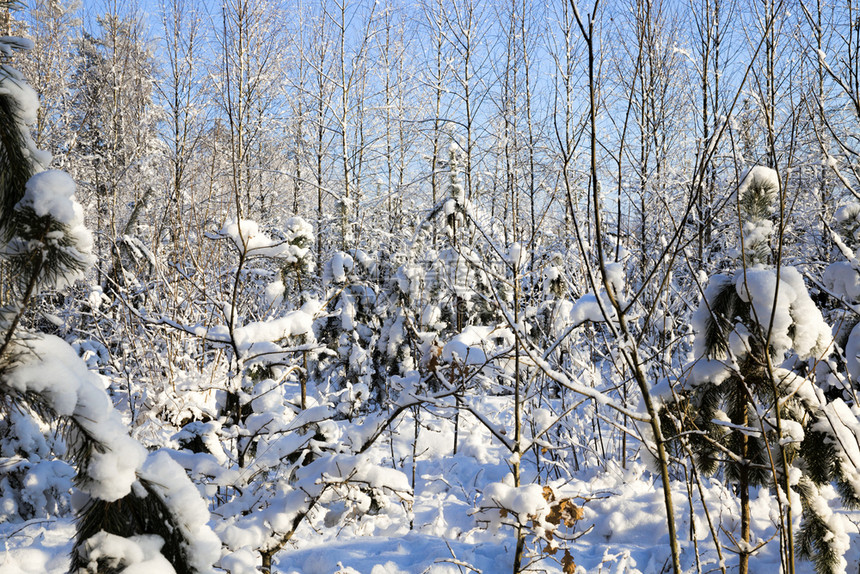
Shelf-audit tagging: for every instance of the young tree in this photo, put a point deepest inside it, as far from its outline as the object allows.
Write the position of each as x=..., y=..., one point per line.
x=751, y=404
x=251, y=42
x=181, y=94
x=465, y=31
x=350, y=85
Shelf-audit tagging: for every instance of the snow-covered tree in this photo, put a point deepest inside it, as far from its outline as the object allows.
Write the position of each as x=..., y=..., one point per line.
x=51, y=23
x=136, y=508
x=749, y=398
x=841, y=279
x=111, y=152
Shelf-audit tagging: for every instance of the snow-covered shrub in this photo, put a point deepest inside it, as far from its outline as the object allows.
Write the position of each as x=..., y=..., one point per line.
x=295, y=260
x=549, y=517
x=280, y=454
x=33, y=483
x=299, y=237
x=758, y=195
x=351, y=331
x=847, y=224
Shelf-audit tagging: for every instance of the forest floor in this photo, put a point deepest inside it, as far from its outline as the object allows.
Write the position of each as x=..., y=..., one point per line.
x=622, y=529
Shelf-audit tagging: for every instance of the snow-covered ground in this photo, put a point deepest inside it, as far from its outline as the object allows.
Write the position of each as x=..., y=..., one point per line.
x=622, y=529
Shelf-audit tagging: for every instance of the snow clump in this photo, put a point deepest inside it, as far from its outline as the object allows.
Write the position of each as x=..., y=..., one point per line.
x=52, y=369
x=135, y=555
x=172, y=484
x=51, y=194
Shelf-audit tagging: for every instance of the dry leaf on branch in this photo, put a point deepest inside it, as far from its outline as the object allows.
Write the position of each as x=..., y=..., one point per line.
x=567, y=564
x=565, y=511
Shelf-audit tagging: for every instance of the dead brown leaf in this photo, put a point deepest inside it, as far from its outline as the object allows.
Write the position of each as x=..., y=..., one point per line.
x=568, y=566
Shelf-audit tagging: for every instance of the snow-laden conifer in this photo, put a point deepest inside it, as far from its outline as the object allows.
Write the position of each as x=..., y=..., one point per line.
x=749, y=397
x=135, y=507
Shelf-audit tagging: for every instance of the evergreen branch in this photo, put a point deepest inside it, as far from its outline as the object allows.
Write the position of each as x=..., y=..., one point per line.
x=15, y=164
x=22, y=306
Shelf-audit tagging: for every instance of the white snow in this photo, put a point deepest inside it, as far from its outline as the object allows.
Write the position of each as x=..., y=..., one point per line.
x=51, y=368
x=26, y=106
x=763, y=175
x=843, y=426
x=187, y=507
x=275, y=293
x=251, y=240
x=587, y=308
x=340, y=264
x=292, y=324
x=757, y=232
x=526, y=502
x=842, y=279
x=517, y=256
x=793, y=319
x=477, y=344
x=13, y=84
x=852, y=353
x=52, y=194
x=623, y=508
x=135, y=555
x=713, y=371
